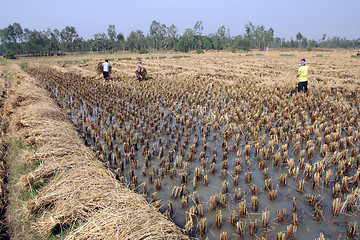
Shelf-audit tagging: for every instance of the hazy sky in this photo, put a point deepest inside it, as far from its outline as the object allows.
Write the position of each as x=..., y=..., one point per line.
x=287, y=17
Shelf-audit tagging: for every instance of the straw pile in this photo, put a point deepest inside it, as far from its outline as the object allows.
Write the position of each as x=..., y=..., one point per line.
x=99, y=67
x=78, y=190
x=2, y=153
x=2, y=187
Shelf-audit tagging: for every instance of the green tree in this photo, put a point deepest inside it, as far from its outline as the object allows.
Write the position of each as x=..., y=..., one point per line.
x=112, y=36
x=157, y=34
x=11, y=37
x=77, y=44
x=171, y=37
x=120, y=39
x=304, y=42
x=207, y=43
x=100, y=42
x=276, y=43
x=242, y=43
x=53, y=43
x=2, y=49
x=323, y=38
x=259, y=37
x=313, y=43
x=299, y=37
x=250, y=33
x=186, y=41
x=198, y=28
x=111, y=32
x=181, y=46
x=136, y=41
x=67, y=36
x=269, y=37
x=223, y=38
x=36, y=43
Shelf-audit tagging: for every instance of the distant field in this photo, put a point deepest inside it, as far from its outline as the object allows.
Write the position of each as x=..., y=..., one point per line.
x=329, y=69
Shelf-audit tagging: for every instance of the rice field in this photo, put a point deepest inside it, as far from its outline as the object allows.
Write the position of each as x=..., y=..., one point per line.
x=56, y=186
x=220, y=143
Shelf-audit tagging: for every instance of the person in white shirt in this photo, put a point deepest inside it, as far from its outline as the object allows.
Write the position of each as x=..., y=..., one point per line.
x=106, y=66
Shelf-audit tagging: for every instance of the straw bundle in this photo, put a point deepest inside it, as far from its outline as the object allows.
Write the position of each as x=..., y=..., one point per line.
x=134, y=223
x=351, y=230
x=92, y=193
x=240, y=228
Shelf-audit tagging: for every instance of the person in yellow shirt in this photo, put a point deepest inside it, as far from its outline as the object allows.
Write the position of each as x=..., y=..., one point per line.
x=303, y=76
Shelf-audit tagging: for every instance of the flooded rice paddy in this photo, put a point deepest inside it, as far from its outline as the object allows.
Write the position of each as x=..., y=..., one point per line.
x=225, y=160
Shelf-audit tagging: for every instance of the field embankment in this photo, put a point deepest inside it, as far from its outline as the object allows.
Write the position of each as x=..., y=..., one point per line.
x=3, y=172
x=57, y=187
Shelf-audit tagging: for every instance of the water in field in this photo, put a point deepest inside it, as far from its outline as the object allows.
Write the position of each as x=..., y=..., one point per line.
x=180, y=140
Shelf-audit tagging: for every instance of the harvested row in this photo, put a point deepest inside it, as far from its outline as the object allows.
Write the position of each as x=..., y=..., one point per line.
x=73, y=189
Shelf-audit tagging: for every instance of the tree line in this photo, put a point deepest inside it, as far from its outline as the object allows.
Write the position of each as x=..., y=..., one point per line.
x=18, y=41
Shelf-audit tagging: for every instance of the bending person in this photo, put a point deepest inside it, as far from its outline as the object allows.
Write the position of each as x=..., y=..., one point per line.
x=138, y=71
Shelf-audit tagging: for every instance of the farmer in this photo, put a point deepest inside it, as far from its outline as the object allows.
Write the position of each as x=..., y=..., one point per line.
x=303, y=76
x=106, y=66
x=138, y=71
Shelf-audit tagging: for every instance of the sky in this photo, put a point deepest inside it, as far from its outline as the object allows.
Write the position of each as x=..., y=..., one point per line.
x=287, y=17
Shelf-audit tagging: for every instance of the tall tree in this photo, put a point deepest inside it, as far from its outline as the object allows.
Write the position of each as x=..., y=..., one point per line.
x=269, y=37
x=11, y=36
x=250, y=32
x=221, y=39
x=207, y=43
x=299, y=37
x=112, y=36
x=259, y=37
x=135, y=41
x=68, y=35
x=157, y=34
x=242, y=43
x=198, y=28
x=111, y=32
x=171, y=37
x=36, y=43
x=188, y=37
x=100, y=42
x=120, y=41
x=53, y=45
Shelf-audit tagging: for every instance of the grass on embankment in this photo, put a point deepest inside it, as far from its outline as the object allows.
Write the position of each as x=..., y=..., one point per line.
x=17, y=224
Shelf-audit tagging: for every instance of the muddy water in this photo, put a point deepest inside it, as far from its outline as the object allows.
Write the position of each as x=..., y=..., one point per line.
x=307, y=226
